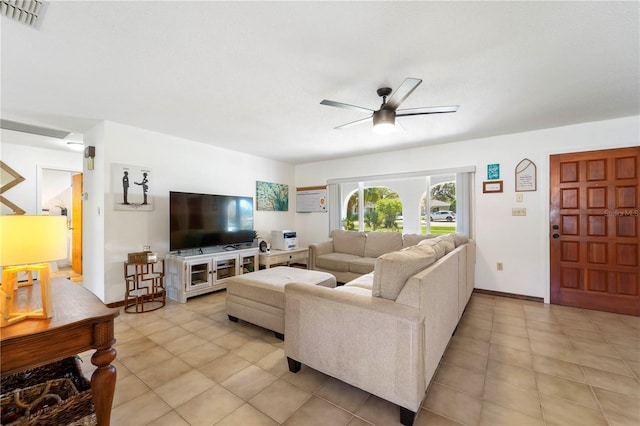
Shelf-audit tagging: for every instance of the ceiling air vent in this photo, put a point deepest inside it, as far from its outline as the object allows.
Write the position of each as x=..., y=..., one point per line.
x=25, y=11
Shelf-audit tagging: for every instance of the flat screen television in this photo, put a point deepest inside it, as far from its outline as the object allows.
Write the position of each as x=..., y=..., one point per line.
x=205, y=220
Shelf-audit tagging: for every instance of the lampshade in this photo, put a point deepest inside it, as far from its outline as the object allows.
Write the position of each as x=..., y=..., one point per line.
x=384, y=121
x=32, y=239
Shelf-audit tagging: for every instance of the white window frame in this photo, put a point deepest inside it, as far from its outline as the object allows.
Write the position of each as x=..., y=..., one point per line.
x=465, y=177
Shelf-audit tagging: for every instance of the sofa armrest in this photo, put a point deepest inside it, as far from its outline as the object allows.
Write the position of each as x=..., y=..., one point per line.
x=369, y=342
x=319, y=249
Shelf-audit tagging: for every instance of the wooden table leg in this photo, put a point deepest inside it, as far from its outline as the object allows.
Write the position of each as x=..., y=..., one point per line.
x=103, y=384
x=103, y=380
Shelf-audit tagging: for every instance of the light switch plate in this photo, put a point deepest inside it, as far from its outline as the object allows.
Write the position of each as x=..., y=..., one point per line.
x=518, y=211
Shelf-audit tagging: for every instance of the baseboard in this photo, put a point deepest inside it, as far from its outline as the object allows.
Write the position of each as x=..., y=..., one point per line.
x=475, y=290
x=510, y=295
x=115, y=304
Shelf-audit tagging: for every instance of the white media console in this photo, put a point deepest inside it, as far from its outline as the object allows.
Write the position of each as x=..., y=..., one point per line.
x=192, y=275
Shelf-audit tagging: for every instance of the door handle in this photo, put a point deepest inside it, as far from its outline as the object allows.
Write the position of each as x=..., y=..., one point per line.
x=555, y=227
x=556, y=236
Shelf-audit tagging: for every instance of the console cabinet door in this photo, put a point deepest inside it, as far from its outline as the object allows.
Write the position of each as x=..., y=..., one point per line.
x=248, y=263
x=199, y=274
x=226, y=266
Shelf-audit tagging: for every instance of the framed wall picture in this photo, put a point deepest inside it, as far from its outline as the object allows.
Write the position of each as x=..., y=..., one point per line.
x=526, y=176
x=272, y=196
x=130, y=186
x=492, y=186
x=493, y=171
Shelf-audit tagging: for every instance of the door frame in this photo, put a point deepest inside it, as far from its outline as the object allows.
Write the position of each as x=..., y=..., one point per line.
x=39, y=184
x=546, y=200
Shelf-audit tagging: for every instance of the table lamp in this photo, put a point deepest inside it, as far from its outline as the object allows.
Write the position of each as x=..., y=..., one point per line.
x=25, y=243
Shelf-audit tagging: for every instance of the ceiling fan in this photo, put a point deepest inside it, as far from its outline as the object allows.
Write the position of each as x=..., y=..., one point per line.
x=384, y=119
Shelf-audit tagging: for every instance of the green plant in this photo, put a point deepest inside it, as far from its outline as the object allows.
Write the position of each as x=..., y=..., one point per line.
x=350, y=221
x=373, y=219
x=390, y=208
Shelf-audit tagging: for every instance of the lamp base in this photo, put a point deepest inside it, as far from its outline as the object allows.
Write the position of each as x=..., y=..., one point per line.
x=8, y=294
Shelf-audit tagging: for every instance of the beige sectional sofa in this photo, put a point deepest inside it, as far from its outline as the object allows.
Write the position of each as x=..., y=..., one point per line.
x=385, y=332
x=351, y=254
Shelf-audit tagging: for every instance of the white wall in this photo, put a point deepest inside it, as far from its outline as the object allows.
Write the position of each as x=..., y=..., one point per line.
x=176, y=165
x=520, y=243
x=17, y=153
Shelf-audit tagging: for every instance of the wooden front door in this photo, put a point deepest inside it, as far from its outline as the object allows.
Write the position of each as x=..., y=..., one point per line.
x=594, y=229
x=76, y=223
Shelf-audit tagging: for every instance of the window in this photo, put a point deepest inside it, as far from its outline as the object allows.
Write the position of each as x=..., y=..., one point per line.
x=399, y=202
x=381, y=206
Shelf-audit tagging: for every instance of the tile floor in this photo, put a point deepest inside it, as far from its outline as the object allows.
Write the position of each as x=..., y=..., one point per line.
x=511, y=362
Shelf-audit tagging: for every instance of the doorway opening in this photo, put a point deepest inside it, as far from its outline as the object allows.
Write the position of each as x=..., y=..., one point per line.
x=58, y=195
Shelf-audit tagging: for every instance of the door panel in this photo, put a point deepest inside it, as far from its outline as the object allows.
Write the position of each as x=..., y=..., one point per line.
x=76, y=223
x=594, y=223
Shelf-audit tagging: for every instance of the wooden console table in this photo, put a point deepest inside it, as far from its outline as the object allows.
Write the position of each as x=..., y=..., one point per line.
x=284, y=256
x=80, y=322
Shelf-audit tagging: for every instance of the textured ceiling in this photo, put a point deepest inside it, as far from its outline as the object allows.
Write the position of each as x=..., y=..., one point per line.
x=249, y=76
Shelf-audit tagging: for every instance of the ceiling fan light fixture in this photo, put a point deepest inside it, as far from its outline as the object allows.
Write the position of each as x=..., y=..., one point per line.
x=384, y=121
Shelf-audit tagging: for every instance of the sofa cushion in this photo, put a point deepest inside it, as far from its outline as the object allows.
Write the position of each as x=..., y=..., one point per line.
x=354, y=290
x=338, y=262
x=349, y=242
x=379, y=243
x=393, y=269
x=363, y=281
x=435, y=244
x=362, y=265
x=409, y=240
x=460, y=238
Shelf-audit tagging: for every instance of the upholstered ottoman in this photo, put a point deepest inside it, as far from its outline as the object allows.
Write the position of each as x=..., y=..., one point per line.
x=258, y=297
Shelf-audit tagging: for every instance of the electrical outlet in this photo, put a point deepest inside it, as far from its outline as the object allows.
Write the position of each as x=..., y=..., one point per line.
x=499, y=266
x=518, y=211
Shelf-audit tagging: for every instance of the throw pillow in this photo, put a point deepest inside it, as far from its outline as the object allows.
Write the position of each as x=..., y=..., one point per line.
x=435, y=244
x=448, y=242
x=393, y=269
x=409, y=240
x=460, y=238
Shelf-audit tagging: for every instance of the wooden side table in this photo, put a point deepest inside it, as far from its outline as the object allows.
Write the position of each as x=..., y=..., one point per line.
x=274, y=257
x=145, y=287
x=80, y=322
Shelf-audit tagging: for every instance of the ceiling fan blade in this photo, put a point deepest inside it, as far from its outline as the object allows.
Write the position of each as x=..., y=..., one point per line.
x=401, y=93
x=346, y=106
x=427, y=110
x=353, y=123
